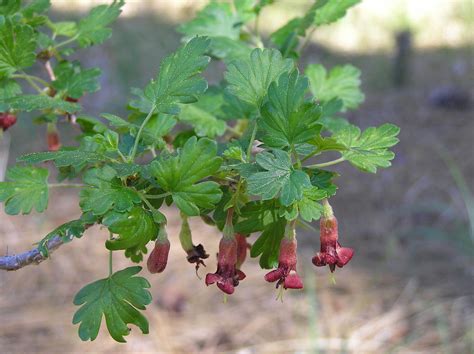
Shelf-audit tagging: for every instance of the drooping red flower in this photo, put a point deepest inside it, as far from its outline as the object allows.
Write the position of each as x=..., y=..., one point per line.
x=286, y=274
x=52, y=138
x=242, y=248
x=158, y=258
x=7, y=120
x=332, y=253
x=227, y=276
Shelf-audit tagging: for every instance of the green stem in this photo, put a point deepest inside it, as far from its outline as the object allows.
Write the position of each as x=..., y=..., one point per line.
x=140, y=131
x=147, y=202
x=290, y=233
x=329, y=163
x=157, y=196
x=252, y=138
x=124, y=159
x=228, y=231
x=62, y=185
x=32, y=77
x=67, y=41
x=315, y=152
x=111, y=270
x=327, y=209
x=295, y=154
x=32, y=83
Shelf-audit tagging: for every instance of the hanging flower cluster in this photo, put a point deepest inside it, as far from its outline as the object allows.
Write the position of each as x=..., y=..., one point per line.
x=233, y=248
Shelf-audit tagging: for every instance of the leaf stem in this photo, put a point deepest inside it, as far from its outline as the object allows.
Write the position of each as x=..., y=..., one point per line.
x=147, y=202
x=315, y=152
x=157, y=196
x=32, y=77
x=140, y=131
x=111, y=270
x=67, y=41
x=32, y=83
x=329, y=163
x=295, y=154
x=62, y=185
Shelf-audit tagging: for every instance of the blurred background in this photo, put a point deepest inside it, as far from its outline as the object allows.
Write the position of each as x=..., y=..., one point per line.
x=410, y=286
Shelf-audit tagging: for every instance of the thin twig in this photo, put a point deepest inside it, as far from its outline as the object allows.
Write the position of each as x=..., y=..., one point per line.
x=49, y=70
x=34, y=256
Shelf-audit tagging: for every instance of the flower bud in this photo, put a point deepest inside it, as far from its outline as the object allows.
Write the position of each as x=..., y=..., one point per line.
x=158, y=258
x=7, y=120
x=52, y=137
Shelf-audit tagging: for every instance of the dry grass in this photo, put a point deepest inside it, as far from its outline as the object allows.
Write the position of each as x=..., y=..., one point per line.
x=367, y=311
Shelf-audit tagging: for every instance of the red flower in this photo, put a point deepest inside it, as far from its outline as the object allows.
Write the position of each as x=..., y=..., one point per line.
x=52, y=138
x=7, y=120
x=158, y=258
x=227, y=276
x=332, y=253
x=242, y=247
x=286, y=272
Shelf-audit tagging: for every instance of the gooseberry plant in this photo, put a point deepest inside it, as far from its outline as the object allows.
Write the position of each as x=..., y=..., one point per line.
x=247, y=157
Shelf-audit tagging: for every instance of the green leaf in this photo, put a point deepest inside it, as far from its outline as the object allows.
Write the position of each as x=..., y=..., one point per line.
x=63, y=158
x=222, y=25
x=215, y=19
x=285, y=120
x=308, y=208
x=117, y=298
x=250, y=78
x=30, y=103
x=228, y=49
x=332, y=11
x=179, y=175
x=204, y=123
x=342, y=82
x=286, y=38
x=255, y=216
x=9, y=7
x=93, y=29
x=135, y=229
x=64, y=28
x=267, y=245
x=8, y=89
x=26, y=188
x=178, y=80
x=368, y=150
x=35, y=7
x=17, y=46
x=73, y=81
x=323, y=180
x=105, y=192
x=279, y=178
